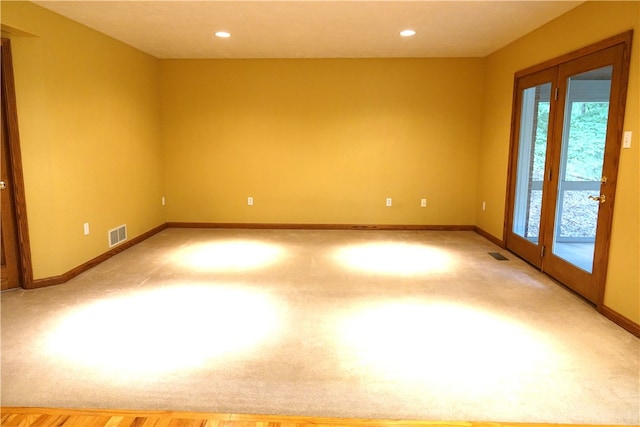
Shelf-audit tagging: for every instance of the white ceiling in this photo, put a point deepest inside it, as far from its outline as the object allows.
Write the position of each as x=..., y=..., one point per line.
x=313, y=29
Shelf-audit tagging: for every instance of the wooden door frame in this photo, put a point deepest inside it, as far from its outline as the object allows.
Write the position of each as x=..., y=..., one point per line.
x=615, y=133
x=25, y=269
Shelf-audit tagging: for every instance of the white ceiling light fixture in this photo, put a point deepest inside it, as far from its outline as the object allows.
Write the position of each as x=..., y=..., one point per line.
x=222, y=34
x=407, y=33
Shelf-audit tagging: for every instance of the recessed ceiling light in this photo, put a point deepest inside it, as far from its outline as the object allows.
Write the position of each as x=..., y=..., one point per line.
x=223, y=34
x=407, y=33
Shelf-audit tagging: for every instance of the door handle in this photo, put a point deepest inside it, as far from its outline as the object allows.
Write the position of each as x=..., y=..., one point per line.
x=600, y=199
x=3, y=185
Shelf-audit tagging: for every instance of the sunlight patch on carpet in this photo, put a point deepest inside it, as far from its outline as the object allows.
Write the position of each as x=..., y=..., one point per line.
x=402, y=259
x=164, y=330
x=231, y=255
x=458, y=349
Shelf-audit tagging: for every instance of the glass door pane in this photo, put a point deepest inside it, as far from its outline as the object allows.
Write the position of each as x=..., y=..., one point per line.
x=583, y=141
x=532, y=149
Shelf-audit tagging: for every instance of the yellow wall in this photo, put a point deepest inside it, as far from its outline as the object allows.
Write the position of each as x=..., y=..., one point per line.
x=322, y=141
x=89, y=116
x=107, y=130
x=587, y=24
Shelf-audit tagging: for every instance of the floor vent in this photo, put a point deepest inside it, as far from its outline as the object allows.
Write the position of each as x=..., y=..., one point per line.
x=117, y=235
x=498, y=256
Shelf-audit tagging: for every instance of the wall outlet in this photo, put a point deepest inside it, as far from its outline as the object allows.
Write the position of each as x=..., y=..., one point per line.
x=389, y=201
x=250, y=201
x=86, y=228
x=164, y=202
x=484, y=206
x=626, y=139
x=423, y=203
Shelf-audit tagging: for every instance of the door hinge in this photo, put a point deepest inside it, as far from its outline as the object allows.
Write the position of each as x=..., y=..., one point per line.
x=550, y=173
x=555, y=94
x=542, y=251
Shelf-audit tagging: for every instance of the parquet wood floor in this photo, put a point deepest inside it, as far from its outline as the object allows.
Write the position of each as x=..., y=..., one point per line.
x=48, y=417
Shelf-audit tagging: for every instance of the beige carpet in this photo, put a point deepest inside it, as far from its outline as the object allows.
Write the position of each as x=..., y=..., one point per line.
x=376, y=324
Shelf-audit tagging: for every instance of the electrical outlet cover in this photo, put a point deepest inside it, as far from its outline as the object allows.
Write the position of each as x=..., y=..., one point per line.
x=626, y=140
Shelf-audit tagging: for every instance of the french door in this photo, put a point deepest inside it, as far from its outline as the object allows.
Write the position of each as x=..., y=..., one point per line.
x=565, y=147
